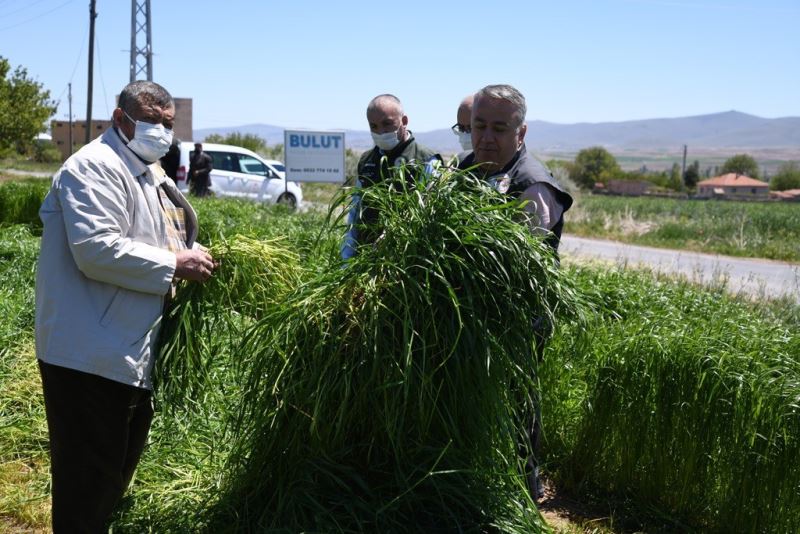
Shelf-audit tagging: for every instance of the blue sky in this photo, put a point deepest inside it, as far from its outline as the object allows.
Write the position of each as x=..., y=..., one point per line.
x=316, y=64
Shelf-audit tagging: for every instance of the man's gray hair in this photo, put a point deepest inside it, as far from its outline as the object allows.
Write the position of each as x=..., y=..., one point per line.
x=143, y=93
x=373, y=104
x=508, y=93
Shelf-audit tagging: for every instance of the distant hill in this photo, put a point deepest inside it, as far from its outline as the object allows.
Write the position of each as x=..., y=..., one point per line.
x=727, y=130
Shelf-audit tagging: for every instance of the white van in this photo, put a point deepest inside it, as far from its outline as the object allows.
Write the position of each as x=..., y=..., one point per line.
x=239, y=172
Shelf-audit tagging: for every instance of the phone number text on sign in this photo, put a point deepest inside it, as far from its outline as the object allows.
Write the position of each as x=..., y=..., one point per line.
x=314, y=156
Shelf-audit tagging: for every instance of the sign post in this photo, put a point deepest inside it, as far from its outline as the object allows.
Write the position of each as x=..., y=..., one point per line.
x=314, y=156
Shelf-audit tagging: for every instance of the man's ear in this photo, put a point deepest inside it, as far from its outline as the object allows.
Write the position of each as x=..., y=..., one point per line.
x=118, y=116
x=521, y=136
x=405, y=120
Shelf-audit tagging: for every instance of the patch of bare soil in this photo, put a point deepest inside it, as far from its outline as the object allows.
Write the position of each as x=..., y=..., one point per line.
x=569, y=516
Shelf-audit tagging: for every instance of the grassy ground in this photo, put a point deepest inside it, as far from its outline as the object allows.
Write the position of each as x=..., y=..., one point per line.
x=748, y=229
x=320, y=193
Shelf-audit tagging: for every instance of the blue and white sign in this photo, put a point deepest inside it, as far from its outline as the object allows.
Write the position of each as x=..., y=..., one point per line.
x=314, y=156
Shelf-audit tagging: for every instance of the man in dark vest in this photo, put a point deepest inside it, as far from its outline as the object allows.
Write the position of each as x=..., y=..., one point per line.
x=394, y=146
x=498, y=133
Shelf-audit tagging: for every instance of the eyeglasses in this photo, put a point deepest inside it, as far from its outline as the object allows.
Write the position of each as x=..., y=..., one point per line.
x=460, y=128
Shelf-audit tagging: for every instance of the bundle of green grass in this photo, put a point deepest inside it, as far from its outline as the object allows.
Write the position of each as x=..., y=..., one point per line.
x=386, y=394
x=205, y=320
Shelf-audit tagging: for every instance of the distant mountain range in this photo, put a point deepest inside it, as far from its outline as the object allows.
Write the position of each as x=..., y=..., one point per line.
x=727, y=130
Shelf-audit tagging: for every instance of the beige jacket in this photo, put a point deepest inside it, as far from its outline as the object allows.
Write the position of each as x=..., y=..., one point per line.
x=104, y=267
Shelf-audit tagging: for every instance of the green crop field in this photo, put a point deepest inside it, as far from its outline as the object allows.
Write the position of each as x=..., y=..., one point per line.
x=671, y=407
x=749, y=229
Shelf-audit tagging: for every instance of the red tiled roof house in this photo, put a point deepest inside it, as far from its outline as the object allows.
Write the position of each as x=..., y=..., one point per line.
x=733, y=186
x=792, y=195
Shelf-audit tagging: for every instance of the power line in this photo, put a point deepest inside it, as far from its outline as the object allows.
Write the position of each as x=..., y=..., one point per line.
x=77, y=61
x=37, y=17
x=102, y=79
x=23, y=8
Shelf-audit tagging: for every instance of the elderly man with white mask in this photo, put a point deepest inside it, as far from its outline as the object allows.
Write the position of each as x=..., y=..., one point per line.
x=117, y=235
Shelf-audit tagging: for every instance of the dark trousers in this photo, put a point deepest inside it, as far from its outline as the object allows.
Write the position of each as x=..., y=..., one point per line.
x=98, y=428
x=201, y=182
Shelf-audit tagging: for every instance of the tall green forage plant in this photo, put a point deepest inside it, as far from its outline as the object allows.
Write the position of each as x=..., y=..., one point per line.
x=386, y=395
x=204, y=320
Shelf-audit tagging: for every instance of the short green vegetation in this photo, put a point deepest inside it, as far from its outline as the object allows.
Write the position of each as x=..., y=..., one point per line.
x=20, y=201
x=680, y=400
x=749, y=229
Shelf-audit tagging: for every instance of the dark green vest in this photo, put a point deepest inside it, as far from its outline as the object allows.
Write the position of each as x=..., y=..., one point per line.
x=409, y=151
x=373, y=168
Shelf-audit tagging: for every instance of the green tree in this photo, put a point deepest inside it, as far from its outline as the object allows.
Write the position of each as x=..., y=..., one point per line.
x=594, y=164
x=675, y=183
x=692, y=175
x=788, y=177
x=741, y=164
x=249, y=141
x=24, y=108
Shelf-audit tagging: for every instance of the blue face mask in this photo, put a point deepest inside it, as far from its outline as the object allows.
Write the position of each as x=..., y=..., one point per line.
x=150, y=141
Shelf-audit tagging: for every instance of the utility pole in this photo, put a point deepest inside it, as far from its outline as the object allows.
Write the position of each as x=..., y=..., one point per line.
x=140, y=23
x=70, y=117
x=92, y=16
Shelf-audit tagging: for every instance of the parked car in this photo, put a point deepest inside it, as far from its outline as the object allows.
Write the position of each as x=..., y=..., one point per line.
x=239, y=172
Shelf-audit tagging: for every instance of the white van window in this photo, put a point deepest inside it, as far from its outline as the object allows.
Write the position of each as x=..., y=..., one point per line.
x=251, y=165
x=224, y=161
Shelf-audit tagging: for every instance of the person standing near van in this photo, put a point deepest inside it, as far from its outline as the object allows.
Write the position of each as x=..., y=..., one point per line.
x=116, y=236
x=200, y=167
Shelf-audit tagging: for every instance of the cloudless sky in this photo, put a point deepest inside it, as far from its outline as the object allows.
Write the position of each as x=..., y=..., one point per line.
x=316, y=64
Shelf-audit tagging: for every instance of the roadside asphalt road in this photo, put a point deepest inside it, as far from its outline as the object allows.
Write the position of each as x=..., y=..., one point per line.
x=753, y=277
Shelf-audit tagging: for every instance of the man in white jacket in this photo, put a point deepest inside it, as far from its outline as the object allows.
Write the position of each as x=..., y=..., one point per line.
x=117, y=236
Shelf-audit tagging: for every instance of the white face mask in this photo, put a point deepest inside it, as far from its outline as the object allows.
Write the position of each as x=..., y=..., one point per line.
x=465, y=140
x=386, y=141
x=150, y=141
